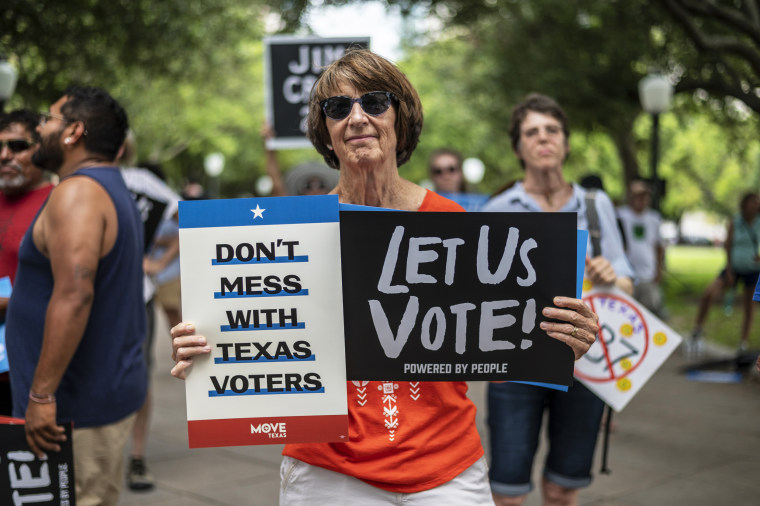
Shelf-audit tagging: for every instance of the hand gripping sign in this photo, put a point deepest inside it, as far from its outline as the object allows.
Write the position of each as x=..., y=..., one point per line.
x=631, y=346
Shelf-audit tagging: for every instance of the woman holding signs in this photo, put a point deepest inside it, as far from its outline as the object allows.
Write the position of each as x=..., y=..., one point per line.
x=539, y=134
x=365, y=119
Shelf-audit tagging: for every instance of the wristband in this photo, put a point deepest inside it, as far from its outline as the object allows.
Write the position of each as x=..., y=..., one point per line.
x=41, y=398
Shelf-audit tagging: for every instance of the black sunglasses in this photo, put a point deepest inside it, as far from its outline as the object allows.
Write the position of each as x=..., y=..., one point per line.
x=437, y=171
x=16, y=146
x=373, y=103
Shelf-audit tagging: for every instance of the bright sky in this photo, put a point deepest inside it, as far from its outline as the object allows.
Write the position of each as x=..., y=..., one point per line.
x=361, y=19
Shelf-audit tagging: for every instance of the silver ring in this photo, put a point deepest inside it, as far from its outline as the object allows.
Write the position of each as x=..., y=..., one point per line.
x=575, y=329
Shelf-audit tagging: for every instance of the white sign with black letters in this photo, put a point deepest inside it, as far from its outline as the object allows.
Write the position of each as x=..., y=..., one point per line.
x=261, y=281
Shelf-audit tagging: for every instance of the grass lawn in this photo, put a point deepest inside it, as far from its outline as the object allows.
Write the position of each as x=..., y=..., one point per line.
x=689, y=269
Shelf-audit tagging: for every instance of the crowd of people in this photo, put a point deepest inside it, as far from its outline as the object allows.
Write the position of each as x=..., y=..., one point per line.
x=91, y=249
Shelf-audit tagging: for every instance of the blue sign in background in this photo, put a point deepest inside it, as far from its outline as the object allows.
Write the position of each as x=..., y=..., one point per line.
x=5, y=291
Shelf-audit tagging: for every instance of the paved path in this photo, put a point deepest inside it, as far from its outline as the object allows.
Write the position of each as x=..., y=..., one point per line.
x=679, y=442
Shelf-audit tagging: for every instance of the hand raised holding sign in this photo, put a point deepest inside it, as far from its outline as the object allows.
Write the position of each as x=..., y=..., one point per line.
x=581, y=327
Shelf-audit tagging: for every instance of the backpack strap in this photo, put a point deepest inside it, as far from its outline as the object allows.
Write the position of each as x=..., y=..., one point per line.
x=594, y=230
x=595, y=233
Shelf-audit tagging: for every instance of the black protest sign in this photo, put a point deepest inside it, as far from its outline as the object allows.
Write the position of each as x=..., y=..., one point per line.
x=293, y=65
x=455, y=296
x=29, y=479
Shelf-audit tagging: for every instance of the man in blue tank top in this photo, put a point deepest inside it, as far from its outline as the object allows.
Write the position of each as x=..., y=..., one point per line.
x=76, y=319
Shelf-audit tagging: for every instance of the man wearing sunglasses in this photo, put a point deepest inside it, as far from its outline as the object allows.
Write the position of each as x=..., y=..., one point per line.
x=76, y=319
x=445, y=166
x=23, y=189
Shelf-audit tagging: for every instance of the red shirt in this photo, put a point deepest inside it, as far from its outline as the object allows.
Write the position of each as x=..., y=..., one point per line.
x=16, y=213
x=403, y=437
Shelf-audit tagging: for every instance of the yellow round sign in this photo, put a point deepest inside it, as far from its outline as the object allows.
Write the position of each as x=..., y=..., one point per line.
x=626, y=330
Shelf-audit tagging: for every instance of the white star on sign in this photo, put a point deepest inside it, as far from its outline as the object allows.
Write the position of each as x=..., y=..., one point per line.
x=258, y=212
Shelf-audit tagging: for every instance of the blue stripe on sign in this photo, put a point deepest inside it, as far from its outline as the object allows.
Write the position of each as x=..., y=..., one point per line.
x=235, y=295
x=287, y=326
x=263, y=391
x=258, y=211
x=219, y=360
x=278, y=260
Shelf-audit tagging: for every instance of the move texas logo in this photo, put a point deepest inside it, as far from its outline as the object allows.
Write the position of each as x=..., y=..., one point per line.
x=273, y=430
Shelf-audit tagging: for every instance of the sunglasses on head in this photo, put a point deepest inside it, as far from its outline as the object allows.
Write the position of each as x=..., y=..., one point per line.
x=16, y=146
x=373, y=103
x=437, y=171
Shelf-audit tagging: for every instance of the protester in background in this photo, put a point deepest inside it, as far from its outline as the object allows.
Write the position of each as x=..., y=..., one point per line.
x=76, y=320
x=539, y=132
x=365, y=119
x=756, y=298
x=163, y=266
x=742, y=263
x=157, y=204
x=645, y=248
x=193, y=190
x=445, y=169
x=23, y=189
x=311, y=178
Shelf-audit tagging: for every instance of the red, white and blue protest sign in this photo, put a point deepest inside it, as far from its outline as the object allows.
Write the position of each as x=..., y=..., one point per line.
x=261, y=280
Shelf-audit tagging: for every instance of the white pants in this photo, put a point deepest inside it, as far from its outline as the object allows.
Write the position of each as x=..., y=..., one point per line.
x=302, y=483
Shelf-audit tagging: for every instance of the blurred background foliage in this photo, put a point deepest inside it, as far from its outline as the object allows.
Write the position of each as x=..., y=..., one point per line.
x=190, y=74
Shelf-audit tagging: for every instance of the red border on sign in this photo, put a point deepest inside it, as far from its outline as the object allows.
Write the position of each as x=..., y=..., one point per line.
x=589, y=300
x=239, y=431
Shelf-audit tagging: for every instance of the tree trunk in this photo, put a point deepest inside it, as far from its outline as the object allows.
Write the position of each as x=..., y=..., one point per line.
x=624, y=142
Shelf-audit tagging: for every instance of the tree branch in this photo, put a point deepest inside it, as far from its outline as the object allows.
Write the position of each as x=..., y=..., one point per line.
x=732, y=19
x=719, y=87
x=706, y=43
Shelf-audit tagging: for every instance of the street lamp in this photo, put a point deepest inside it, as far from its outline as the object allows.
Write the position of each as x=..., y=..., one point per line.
x=473, y=170
x=8, y=77
x=655, y=94
x=214, y=166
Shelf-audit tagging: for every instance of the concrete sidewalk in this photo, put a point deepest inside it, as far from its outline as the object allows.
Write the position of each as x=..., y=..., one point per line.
x=679, y=442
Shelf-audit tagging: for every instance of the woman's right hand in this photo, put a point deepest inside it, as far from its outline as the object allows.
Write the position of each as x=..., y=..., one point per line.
x=185, y=346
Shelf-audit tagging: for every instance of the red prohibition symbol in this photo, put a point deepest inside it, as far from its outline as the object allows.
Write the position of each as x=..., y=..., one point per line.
x=622, y=342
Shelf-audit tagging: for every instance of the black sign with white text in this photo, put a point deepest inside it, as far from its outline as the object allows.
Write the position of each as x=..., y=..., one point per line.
x=293, y=66
x=455, y=296
x=27, y=479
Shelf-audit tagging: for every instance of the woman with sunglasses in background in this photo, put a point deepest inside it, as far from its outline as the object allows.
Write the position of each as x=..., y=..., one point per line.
x=365, y=119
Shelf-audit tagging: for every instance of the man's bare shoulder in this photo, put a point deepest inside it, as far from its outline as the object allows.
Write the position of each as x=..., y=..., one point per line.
x=77, y=194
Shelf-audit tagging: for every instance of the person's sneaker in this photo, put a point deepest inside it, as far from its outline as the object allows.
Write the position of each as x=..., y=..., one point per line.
x=138, y=476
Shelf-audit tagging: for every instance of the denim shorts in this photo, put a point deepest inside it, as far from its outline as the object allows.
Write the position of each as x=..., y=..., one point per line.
x=515, y=414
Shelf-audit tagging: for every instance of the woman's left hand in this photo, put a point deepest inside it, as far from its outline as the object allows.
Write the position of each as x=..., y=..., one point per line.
x=599, y=271
x=578, y=325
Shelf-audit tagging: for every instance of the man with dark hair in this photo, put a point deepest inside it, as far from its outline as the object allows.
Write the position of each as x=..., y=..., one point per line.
x=76, y=319
x=23, y=189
